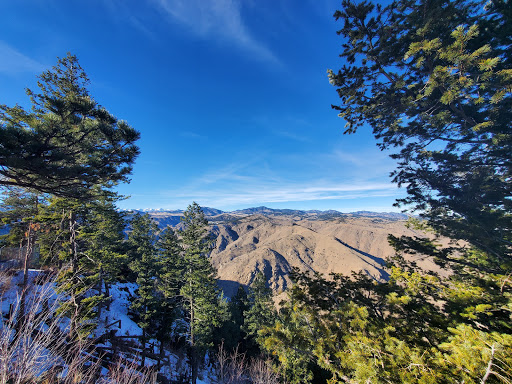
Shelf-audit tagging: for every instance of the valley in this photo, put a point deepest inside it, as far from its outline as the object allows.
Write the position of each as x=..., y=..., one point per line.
x=275, y=241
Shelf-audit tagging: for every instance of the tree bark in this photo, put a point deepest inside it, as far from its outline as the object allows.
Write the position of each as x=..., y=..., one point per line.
x=28, y=252
x=193, y=352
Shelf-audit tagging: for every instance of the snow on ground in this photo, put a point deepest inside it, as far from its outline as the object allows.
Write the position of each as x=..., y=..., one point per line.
x=120, y=300
x=42, y=288
x=11, y=286
x=120, y=296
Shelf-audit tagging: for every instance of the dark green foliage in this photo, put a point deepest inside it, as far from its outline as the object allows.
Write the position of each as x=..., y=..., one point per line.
x=86, y=240
x=416, y=328
x=433, y=79
x=104, y=235
x=18, y=211
x=237, y=307
x=261, y=312
x=68, y=143
x=171, y=263
x=203, y=304
x=144, y=263
x=231, y=334
x=170, y=281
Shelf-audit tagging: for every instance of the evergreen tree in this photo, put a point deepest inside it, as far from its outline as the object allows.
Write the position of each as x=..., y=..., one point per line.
x=172, y=263
x=62, y=244
x=143, y=242
x=19, y=212
x=19, y=208
x=433, y=79
x=86, y=241
x=231, y=334
x=261, y=312
x=105, y=252
x=170, y=281
x=201, y=295
x=235, y=333
x=68, y=142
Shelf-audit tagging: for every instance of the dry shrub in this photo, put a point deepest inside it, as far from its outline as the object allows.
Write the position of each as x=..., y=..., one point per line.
x=125, y=372
x=5, y=282
x=262, y=372
x=233, y=368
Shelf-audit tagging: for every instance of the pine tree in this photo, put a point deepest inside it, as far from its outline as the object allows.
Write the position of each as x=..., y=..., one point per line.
x=143, y=242
x=106, y=259
x=68, y=143
x=172, y=263
x=234, y=334
x=86, y=241
x=433, y=80
x=261, y=312
x=170, y=281
x=62, y=244
x=201, y=295
x=19, y=211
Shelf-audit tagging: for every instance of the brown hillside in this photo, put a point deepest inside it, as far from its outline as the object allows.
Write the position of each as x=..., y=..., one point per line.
x=249, y=243
x=273, y=245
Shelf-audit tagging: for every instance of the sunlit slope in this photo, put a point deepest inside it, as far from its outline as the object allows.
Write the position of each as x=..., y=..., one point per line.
x=247, y=243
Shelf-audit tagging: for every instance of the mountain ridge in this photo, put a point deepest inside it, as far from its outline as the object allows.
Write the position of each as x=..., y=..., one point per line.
x=263, y=210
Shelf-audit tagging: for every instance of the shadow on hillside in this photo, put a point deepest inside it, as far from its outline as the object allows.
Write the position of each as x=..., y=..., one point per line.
x=229, y=287
x=379, y=261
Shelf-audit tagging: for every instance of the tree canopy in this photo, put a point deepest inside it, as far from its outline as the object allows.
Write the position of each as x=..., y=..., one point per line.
x=68, y=142
x=433, y=79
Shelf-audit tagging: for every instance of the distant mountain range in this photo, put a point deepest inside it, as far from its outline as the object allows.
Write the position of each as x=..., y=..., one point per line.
x=265, y=211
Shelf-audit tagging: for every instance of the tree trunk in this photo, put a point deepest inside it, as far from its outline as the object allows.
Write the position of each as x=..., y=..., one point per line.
x=194, y=364
x=73, y=247
x=73, y=251
x=162, y=356
x=107, y=294
x=100, y=291
x=143, y=354
x=28, y=252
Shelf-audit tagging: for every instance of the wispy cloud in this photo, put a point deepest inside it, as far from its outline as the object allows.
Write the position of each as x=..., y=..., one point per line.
x=193, y=135
x=123, y=14
x=286, y=194
x=217, y=19
x=252, y=181
x=234, y=189
x=13, y=61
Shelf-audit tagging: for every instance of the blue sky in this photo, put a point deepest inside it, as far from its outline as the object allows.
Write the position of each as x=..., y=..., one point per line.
x=231, y=97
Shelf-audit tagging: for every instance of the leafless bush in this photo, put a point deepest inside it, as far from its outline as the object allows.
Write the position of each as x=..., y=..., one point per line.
x=262, y=372
x=231, y=368
x=31, y=349
x=125, y=372
x=5, y=282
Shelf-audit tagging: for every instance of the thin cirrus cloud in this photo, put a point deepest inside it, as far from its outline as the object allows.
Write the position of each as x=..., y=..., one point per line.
x=217, y=19
x=14, y=61
x=246, y=196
